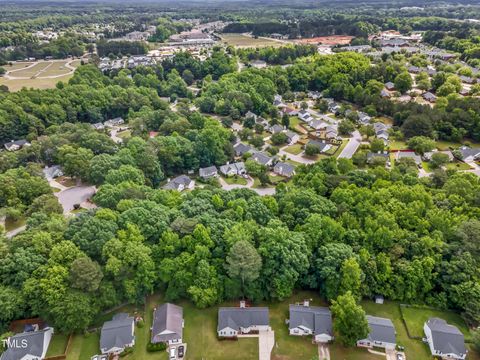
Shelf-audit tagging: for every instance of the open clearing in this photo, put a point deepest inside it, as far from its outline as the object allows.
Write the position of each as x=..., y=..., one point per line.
x=38, y=75
x=245, y=41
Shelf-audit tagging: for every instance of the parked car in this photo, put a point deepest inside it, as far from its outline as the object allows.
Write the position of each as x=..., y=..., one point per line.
x=173, y=355
x=400, y=356
x=181, y=350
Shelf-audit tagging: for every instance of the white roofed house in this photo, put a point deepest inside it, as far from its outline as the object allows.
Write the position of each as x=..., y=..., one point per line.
x=444, y=340
x=382, y=334
x=233, y=169
x=308, y=320
x=167, y=324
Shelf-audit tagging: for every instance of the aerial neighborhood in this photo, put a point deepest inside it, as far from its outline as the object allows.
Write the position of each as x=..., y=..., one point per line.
x=239, y=180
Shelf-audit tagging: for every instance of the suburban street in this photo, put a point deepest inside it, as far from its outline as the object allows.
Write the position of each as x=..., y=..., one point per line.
x=352, y=146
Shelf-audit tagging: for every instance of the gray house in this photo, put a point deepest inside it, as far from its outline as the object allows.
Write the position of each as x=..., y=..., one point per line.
x=284, y=169
x=117, y=334
x=311, y=320
x=233, y=321
x=241, y=149
x=28, y=345
x=262, y=158
x=444, y=340
x=208, y=172
x=180, y=183
x=237, y=168
x=16, y=145
x=469, y=154
x=167, y=324
x=382, y=333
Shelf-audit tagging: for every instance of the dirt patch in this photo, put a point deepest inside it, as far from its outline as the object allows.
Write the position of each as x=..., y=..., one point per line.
x=328, y=40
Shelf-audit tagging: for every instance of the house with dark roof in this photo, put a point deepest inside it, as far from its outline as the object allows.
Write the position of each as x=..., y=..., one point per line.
x=32, y=345
x=311, y=320
x=414, y=69
x=292, y=137
x=409, y=155
x=15, y=145
x=390, y=86
x=233, y=321
x=382, y=334
x=180, y=183
x=250, y=114
x=469, y=154
x=167, y=324
x=444, y=340
x=384, y=93
x=275, y=129
x=428, y=96
x=262, y=158
x=371, y=156
x=114, y=122
x=284, y=169
x=208, y=172
x=241, y=149
x=467, y=79
x=117, y=334
x=321, y=145
x=363, y=118
x=237, y=168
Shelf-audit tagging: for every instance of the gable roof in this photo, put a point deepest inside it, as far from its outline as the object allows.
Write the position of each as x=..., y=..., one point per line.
x=236, y=318
x=467, y=152
x=319, y=144
x=446, y=338
x=316, y=318
x=236, y=167
x=381, y=329
x=261, y=158
x=34, y=345
x=241, y=149
x=176, y=182
x=167, y=323
x=207, y=171
x=117, y=333
x=16, y=143
x=284, y=169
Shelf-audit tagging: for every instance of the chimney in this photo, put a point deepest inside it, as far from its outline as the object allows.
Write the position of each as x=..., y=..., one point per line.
x=242, y=304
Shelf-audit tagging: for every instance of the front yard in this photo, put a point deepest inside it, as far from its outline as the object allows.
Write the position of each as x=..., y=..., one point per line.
x=294, y=149
x=235, y=180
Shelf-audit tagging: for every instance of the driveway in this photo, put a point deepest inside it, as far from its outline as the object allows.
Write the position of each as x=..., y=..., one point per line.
x=75, y=195
x=323, y=352
x=249, y=185
x=266, y=340
x=352, y=146
x=297, y=158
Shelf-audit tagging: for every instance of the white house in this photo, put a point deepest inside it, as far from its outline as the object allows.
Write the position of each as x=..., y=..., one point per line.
x=444, y=340
x=382, y=334
x=234, y=321
x=180, y=183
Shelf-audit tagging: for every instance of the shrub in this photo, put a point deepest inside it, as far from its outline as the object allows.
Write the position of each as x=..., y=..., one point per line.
x=156, y=347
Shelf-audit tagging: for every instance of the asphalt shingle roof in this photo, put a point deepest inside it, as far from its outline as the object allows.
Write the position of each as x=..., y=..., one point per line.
x=117, y=333
x=316, y=318
x=446, y=338
x=236, y=318
x=167, y=318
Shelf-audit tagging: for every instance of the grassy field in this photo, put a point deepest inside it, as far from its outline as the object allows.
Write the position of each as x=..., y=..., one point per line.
x=17, y=66
x=57, y=68
x=14, y=224
x=32, y=70
x=39, y=83
x=338, y=352
x=84, y=346
x=457, y=165
x=416, y=317
x=243, y=41
x=294, y=149
x=235, y=180
x=397, y=145
x=58, y=345
x=124, y=134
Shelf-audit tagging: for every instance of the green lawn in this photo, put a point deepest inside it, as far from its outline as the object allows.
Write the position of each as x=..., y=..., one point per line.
x=235, y=180
x=84, y=346
x=416, y=317
x=294, y=149
x=397, y=145
x=338, y=352
x=14, y=224
x=275, y=179
x=414, y=349
x=458, y=165
x=58, y=345
x=124, y=134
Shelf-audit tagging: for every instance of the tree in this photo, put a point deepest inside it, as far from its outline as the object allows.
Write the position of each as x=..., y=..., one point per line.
x=346, y=127
x=421, y=144
x=403, y=82
x=279, y=138
x=243, y=262
x=438, y=160
x=377, y=145
x=311, y=150
x=85, y=274
x=286, y=121
x=349, y=320
x=352, y=277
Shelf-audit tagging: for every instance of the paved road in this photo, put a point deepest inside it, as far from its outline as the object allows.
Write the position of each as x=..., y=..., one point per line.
x=16, y=231
x=323, y=352
x=75, y=195
x=352, y=146
x=266, y=340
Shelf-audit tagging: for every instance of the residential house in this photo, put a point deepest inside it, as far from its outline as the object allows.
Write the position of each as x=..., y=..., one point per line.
x=331, y=132
x=290, y=111
x=233, y=321
x=390, y=86
x=311, y=320
x=317, y=124
x=284, y=169
x=364, y=118
x=428, y=96
x=208, y=172
x=381, y=131
x=15, y=145
x=414, y=70
x=382, y=334
x=371, y=156
x=262, y=158
x=428, y=155
x=99, y=357
x=32, y=345
x=261, y=121
x=469, y=154
x=258, y=64
x=321, y=145
x=444, y=340
x=114, y=122
x=467, y=79
x=237, y=168
x=241, y=149
x=314, y=95
x=180, y=183
x=167, y=324
x=464, y=91
x=292, y=137
x=250, y=114
x=117, y=334
x=304, y=115
x=275, y=129
x=384, y=93
x=409, y=155
x=98, y=126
